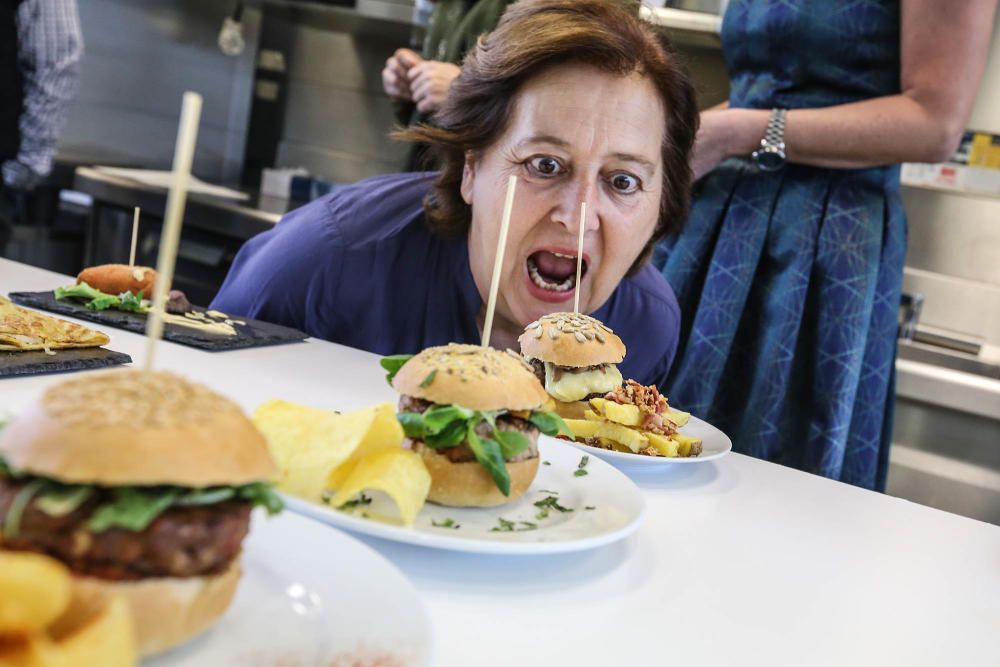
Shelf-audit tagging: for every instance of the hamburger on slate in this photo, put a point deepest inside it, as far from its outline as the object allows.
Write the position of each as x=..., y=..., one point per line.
x=574, y=355
x=142, y=483
x=474, y=415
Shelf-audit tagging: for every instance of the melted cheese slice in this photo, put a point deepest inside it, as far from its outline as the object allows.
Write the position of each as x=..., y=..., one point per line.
x=575, y=386
x=22, y=329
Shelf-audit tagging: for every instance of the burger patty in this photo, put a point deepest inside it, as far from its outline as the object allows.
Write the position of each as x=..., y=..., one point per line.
x=181, y=542
x=462, y=453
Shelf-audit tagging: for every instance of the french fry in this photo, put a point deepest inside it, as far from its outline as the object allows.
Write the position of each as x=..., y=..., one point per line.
x=34, y=591
x=688, y=446
x=583, y=428
x=668, y=447
x=626, y=415
x=678, y=417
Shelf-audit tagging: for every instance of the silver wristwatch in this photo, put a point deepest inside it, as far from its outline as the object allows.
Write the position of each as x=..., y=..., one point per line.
x=771, y=154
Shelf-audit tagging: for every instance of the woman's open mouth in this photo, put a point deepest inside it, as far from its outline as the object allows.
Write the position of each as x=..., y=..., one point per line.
x=551, y=275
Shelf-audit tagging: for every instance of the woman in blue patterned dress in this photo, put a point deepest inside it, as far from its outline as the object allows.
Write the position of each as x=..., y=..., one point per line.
x=789, y=279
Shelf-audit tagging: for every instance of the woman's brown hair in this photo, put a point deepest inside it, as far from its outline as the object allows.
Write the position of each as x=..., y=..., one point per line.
x=533, y=35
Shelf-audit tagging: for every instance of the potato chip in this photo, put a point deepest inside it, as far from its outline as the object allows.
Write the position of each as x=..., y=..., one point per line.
x=319, y=450
x=401, y=474
x=309, y=444
x=34, y=591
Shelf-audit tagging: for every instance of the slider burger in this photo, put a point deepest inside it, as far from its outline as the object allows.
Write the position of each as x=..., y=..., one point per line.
x=141, y=483
x=119, y=278
x=574, y=355
x=473, y=414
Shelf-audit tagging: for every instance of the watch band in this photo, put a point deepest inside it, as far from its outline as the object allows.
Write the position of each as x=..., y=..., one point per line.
x=771, y=154
x=775, y=132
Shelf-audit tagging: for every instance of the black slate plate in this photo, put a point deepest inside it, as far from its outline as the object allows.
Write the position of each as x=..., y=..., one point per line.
x=252, y=334
x=36, y=362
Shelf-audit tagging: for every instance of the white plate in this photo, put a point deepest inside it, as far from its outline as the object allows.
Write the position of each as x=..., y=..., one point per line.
x=617, y=508
x=715, y=444
x=312, y=596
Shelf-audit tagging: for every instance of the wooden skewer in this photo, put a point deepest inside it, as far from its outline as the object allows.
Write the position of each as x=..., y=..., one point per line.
x=498, y=262
x=135, y=236
x=187, y=135
x=579, y=256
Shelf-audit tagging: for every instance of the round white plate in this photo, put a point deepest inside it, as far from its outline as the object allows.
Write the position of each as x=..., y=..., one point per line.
x=312, y=596
x=605, y=506
x=714, y=443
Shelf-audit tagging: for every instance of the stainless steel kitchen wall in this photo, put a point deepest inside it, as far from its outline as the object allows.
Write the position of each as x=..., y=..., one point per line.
x=336, y=118
x=140, y=58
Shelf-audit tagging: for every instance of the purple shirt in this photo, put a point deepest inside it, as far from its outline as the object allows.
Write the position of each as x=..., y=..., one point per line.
x=360, y=267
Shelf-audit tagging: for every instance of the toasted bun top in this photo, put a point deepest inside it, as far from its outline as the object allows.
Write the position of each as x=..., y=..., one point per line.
x=572, y=340
x=471, y=376
x=137, y=428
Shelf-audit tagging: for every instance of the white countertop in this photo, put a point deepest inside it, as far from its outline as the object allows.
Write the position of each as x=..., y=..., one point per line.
x=738, y=562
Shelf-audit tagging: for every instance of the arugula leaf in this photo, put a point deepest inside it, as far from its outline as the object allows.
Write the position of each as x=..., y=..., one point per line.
x=261, y=494
x=512, y=443
x=210, y=496
x=392, y=364
x=489, y=455
x=453, y=434
x=439, y=416
x=550, y=423
x=61, y=500
x=412, y=423
x=131, y=509
x=12, y=520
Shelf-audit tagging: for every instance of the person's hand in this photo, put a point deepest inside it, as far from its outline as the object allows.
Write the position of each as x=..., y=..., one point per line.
x=725, y=133
x=712, y=144
x=394, y=75
x=429, y=84
x=18, y=176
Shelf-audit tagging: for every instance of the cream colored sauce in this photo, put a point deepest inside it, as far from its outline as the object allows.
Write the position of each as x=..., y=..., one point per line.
x=574, y=386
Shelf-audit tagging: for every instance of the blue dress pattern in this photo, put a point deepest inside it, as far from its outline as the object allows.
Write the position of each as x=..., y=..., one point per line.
x=789, y=282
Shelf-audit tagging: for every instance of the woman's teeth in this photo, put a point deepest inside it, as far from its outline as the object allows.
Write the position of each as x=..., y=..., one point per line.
x=537, y=278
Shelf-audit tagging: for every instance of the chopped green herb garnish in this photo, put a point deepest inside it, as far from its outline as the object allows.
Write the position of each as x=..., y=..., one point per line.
x=447, y=522
x=590, y=507
x=362, y=499
x=552, y=502
x=551, y=493
x=546, y=463
x=430, y=378
x=505, y=526
x=580, y=472
x=543, y=514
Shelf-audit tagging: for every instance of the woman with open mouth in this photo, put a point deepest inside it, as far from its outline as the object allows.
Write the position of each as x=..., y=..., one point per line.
x=583, y=102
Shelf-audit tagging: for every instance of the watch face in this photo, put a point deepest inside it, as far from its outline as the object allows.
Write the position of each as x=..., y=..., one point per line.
x=769, y=159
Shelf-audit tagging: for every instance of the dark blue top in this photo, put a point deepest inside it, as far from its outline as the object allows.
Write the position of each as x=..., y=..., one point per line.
x=360, y=267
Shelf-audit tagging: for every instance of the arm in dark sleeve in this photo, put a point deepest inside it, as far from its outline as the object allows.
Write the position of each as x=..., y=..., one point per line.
x=287, y=275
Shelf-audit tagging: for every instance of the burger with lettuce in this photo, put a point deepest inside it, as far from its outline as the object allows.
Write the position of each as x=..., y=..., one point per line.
x=142, y=483
x=474, y=415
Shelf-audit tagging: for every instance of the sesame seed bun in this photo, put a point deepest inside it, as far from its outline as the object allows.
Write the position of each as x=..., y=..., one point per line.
x=571, y=340
x=168, y=611
x=471, y=376
x=131, y=427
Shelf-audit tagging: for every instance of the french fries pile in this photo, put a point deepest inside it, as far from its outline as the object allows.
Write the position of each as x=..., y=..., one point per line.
x=325, y=456
x=46, y=622
x=616, y=426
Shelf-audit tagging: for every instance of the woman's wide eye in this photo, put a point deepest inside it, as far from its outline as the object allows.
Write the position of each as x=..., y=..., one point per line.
x=545, y=166
x=624, y=183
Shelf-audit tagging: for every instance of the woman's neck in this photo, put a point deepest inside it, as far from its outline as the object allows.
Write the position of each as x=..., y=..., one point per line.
x=504, y=334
